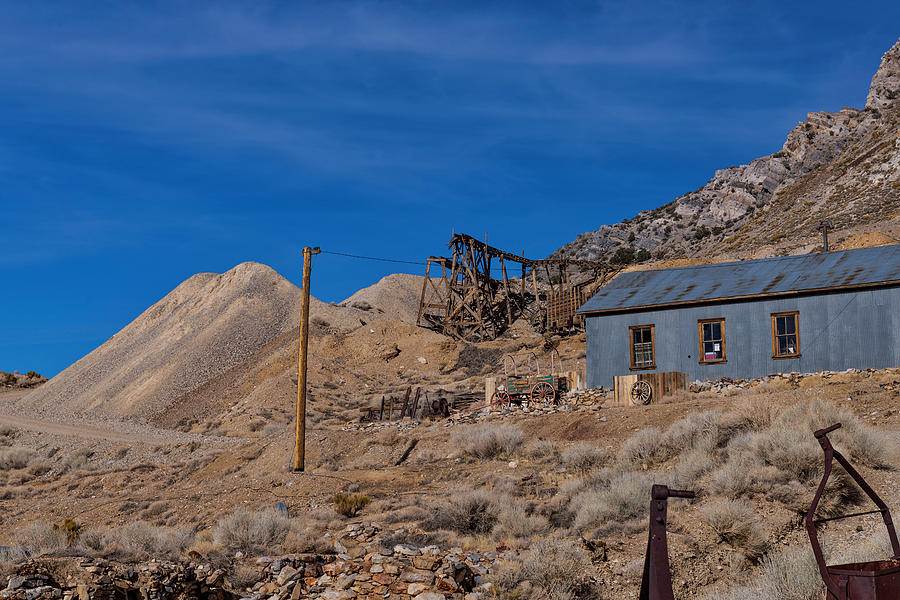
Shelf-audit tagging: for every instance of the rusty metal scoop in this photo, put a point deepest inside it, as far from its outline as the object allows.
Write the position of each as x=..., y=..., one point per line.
x=874, y=580
x=657, y=581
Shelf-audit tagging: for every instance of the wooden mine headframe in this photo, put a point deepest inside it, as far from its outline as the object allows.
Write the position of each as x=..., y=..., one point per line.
x=465, y=300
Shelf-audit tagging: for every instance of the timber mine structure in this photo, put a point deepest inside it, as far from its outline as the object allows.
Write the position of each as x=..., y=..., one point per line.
x=465, y=301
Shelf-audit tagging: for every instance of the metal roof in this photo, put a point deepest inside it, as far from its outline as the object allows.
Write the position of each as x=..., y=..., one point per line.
x=748, y=279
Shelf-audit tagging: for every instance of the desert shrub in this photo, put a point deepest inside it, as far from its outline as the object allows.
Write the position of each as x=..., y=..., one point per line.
x=542, y=449
x=256, y=424
x=70, y=527
x=583, y=458
x=320, y=322
x=862, y=443
x=625, y=497
x=641, y=448
x=361, y=305
x=11, y=491
x=41, y=538
x=139, y=540
x=350, y=504
x=733, y=479
x=155, y=509
x=79, y=460
x=273, y=429
x=737, y=524
x=551, y=568
x=697, y=431
x=791, y=574
x=249, y=531
x=467, y=512
x=690, y=467
x=489, y=441
x=7, y=430
x=299, y=542
x=39, y=468
x=15, y=457
x=513, y=523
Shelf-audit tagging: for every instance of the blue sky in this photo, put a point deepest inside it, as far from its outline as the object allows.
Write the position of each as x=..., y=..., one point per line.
x=141, y=143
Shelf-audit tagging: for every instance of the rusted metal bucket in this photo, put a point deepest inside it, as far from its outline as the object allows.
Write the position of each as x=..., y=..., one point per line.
x=656, y=583
x=874, y=580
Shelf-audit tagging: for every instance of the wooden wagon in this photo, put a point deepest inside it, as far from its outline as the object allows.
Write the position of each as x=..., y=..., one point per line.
x=531, y=389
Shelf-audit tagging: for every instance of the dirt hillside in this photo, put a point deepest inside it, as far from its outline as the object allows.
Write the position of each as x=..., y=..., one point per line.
x=205, y=326
x=394, y=297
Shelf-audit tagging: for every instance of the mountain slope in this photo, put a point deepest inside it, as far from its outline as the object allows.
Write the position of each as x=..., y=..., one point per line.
x=842, y=166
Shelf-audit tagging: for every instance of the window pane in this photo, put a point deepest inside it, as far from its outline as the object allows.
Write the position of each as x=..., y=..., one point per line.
x=717, y=331
x=791, y=341
x=789, y=325
x=636, y=335
x=782, y=344
x=779, y=325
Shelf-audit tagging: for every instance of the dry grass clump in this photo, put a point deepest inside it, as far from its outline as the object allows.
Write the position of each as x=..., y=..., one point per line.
x=489, y=441
x=350, y=504
x=551, y=569
x=583, y=458
x=139, y=540
x=624, y=496
x=252, y=531
x=469, y=512
x=41, y=538
x=14, y=457
x=737, y=524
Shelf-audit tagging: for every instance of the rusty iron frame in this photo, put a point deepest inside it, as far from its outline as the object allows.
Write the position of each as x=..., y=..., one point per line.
x=656, y=583
x=467, y=303
x=853, y=581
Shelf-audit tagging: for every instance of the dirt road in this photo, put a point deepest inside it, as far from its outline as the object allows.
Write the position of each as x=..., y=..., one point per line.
x=83, y=431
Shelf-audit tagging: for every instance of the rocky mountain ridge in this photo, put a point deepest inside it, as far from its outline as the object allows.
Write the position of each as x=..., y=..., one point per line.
x=842, y=166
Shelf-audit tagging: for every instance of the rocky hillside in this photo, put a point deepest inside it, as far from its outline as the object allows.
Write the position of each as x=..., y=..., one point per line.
x=843, y=166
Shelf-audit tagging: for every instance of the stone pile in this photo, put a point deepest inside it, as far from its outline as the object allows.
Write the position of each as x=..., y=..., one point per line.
x=726, y=384
x=365, y=566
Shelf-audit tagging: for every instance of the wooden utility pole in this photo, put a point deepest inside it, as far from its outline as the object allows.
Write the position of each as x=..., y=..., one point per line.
x=300, y=445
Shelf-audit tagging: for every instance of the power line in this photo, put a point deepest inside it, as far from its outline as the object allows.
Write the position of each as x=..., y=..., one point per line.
x=390, y=260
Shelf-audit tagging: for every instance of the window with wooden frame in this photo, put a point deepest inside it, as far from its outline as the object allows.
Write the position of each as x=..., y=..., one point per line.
x=711, y=333
x=785, y=335
x=642, y=341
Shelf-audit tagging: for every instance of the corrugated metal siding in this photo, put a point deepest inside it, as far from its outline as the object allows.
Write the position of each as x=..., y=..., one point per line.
x=769, y=276
x=856, y=329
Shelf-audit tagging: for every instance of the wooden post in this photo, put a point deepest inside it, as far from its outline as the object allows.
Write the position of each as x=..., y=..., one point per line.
x=300, y=442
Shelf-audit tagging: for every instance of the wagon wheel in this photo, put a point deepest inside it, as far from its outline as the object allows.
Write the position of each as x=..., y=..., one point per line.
x=641, y=392
x=500, y=398
x=543, y=392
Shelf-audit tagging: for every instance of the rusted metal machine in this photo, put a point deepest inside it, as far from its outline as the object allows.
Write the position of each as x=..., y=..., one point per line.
x=467, y=302
x=873, y=580
x=656, y=583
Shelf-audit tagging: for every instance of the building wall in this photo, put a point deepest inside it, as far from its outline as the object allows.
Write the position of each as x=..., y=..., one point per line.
x=854, y=329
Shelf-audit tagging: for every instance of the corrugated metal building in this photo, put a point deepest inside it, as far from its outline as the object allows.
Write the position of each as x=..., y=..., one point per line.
x=815, y=312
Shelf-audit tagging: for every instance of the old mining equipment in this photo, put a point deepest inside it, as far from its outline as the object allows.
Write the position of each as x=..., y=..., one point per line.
x=656, y=583
x=873, y=580
x=465, y=301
